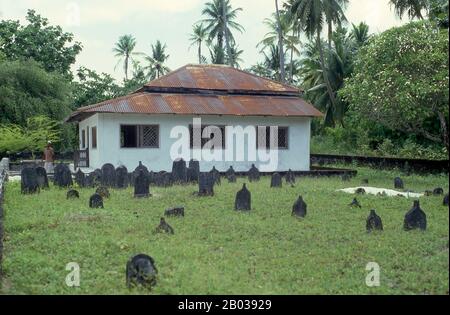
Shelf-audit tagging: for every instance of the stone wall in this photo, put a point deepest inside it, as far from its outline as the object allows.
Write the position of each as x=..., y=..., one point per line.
x=4, y=167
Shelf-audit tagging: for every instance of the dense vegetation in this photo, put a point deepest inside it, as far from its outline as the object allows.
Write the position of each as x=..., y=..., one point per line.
x=216, y=250
x=309, y=43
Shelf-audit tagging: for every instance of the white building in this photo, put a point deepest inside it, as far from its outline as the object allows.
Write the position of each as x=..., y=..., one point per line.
x=138, y=127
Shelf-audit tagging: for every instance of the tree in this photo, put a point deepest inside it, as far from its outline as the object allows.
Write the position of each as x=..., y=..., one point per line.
x=217, y=55
x=438, y=12
x=413, y=8
x=156, y=62
x=280, y=43
x=360, y=34
x=48, y=45
x=401, y=81
x=27, y=90
x=220, y=19
x=124, y=50
x=198, y=37
x=234, y=56
x=334, y=15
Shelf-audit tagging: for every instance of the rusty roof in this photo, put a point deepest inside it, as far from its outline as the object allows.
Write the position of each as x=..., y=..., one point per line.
x=225, y=92
x=218, y=78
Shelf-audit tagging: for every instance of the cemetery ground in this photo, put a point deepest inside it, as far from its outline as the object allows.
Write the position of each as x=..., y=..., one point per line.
x=216, y=250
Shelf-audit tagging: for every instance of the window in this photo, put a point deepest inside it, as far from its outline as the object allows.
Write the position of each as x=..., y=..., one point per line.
x=83, y=139
x=283, y=134
x=139, y=136
x=94, y=137
x=198, y=132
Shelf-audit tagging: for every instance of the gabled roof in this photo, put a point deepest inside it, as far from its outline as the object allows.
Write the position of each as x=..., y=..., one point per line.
x=207, y=90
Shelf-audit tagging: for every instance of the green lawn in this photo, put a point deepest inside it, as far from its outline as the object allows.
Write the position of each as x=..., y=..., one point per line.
x=216, y=250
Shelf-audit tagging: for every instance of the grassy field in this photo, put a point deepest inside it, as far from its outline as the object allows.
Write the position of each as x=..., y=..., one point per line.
x=216, y=250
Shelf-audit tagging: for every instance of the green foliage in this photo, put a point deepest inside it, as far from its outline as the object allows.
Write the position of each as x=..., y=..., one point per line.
x=49, y=45
x=27, y=90
x=32, y=137
x=401, y=81
x=216, y=250
x=157, y=61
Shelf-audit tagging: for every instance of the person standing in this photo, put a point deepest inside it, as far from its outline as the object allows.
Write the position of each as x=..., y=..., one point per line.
x=49, y=157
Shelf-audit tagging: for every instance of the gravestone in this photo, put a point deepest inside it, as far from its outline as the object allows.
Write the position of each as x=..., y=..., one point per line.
x=80, y=178
x=206, y=184
x=96, y=201
x=355, y=203
x=299, y=208
x=445, y=201
x=121, y=177
x=62, y=176
x=72, y=194
x=140, y=167
x=290, y=177
x=89, y=180
x=415, y=218
x=360, y=191
x=277, y=181
x=374, y=222
x=103, y=191
x=141, y=270
x=365, y=181
x=346, y=177
x=230, y=172
x=398, y=183
x=232, y=178
x=175, y=212
x=152, y=178
x=428, y=193
x=29, y=181
x=108, y=176
x=438, y=191
x=243, y=200
x=42, y=177
x=141, y=185
x=97, y=177
x=216, y=175
x=164, y=227
x=253, y=174
x=193, y=170
x=179, y=171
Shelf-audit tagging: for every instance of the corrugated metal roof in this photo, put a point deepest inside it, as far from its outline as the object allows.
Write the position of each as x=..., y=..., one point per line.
x=191, y=104
x=208, y=90
x=220, y=78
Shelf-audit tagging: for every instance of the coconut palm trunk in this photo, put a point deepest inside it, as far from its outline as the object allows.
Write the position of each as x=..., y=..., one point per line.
x=225, y=31
x=280, y=44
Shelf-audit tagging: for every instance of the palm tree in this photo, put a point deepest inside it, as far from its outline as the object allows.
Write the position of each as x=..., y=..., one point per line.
x=217, y=55
x=124, y=50
x=280, y=42
x=312, y=15
x=234, y=56
x=334, y=15
x=220, y=19
x=413, y=8
x=360, y=34
x=156, y=62
x=198, y=36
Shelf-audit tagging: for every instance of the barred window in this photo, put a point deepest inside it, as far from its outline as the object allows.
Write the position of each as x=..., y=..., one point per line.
x=139, y=136
x=94, y=137
x=198, y=133
x=264, y=134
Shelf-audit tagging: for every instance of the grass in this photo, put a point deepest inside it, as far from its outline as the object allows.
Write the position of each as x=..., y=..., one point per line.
x=216, y=250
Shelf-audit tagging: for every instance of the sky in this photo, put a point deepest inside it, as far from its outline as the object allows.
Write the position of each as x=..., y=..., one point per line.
x=97, y=24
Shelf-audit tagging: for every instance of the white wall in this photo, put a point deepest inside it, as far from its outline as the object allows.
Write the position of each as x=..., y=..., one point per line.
x=109, y=151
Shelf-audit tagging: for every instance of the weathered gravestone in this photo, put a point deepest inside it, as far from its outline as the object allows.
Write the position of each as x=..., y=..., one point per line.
x=163, y=179
x=277, y=181
x=179, y=171
x=97, y=177
x=398, y=183
x=193, y=171
x=80, y=178
x=141, y=270
x=103, y=191
x=138, y=169
x=175, y=212
x=90, y=180
x=438, y=191
x=62, y=176
x=216, y=175
x=122, y=177
x=445, y=201
x=415, y=218
x=42, y=177
x=355, y=203
x=72, y=194
x=374, y=222
x=164, y=227
x=108, y=175
x=232, y=178
x=243, y=200
x=360, y=191
x=96, y=201
x=299, y=208
x=29, y=181
x=206, y=184
x=253, y=174
x=290, y=177
x=141, y=186
x=230, y=172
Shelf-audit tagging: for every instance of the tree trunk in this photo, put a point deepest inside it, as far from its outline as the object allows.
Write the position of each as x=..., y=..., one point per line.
x=126, y=67
x=199, y=52
x=225, y=31
x=292, y=59
x=444, y=130
x=280, y=44
x=330, y=35
x=324, y=71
